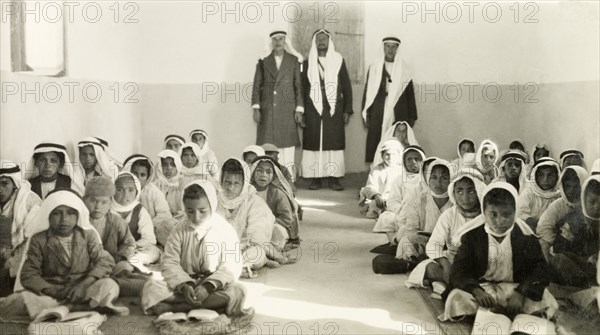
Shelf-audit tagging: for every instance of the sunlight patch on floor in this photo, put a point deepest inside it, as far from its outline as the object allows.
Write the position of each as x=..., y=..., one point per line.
x=316, y=202
x=302, y=311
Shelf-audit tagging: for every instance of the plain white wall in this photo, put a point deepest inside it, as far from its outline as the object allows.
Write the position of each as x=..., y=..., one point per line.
x=558, y=55
x=26, y=123
x=561, y=47
x=173, y=58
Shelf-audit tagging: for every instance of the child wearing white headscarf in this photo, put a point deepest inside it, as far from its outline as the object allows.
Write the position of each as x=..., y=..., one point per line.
x=93, y=161
x=195, y=166
x=576, y=248
x=513, y=170
x=485, y=160
x=499, y=263
x=374, y=195
x=126, y=204
x=465, y=147
x=466, y=193
x=174, y=142
x=114, y=162
x=422, y=211
x=168, y=180
x=207, y=158
x=247, y=212
x=65, y=260
x=18, y=208
x=249, y=215
x=151, y=198
x=195, y=273
x=410, y=181
x=572, y=157
x=251, y=152
x=274, y=189
x=542, y=189
x=403, y=132
x=570, y=183
x=52, y=168
x=539, y=151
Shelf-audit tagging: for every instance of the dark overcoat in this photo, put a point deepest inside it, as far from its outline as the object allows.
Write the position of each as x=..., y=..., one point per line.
x=333, y=126
x=279, y=93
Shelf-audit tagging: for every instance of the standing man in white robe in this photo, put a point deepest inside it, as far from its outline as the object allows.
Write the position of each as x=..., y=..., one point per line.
x=389, y=95
x=328, y=106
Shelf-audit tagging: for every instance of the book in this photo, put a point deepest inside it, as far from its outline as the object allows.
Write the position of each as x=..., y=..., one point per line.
x=200, y=314
x=60, y=314
x=59, y=320
x=488, y=322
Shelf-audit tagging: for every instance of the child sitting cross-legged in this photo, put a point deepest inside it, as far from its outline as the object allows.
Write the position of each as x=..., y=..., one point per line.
x=201, y=263
x=499, y=264
x=274, y=189
x=420, y=214
x=551, y=223
x=64, y=262
x=416, y=221
x=575, y=249
x=405, y=186
x=126, y=204
x=115, y=235
x=250, y=216
x=381, y=178
x=151, y=198
x=465, y=192
x=18, y=210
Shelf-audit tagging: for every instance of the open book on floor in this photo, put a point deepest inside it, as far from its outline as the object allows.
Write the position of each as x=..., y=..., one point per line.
x=61, y=314
x=488, y=322
x=201, y=314
x=59, y=320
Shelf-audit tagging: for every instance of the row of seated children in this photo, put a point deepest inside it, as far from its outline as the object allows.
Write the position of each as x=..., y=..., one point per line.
x=66, y=262
x=134, y=212
x=437, y=202
x=396, y=176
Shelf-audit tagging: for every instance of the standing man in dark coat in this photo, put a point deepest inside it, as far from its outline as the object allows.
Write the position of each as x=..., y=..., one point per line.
x=328, y=98
x=389, y=95
x=277, y=98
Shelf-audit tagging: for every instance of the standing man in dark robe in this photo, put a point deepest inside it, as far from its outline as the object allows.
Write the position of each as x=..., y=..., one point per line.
x=277, y=98
x=389, y=95
x=328, y=106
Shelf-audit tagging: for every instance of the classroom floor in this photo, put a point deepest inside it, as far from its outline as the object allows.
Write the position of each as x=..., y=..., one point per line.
x=332, y=288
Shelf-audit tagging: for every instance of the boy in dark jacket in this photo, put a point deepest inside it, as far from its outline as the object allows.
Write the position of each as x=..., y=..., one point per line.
x=499, y=264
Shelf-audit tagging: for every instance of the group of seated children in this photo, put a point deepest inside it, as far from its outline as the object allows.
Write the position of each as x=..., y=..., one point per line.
x=489, y=228
x=84, y=233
